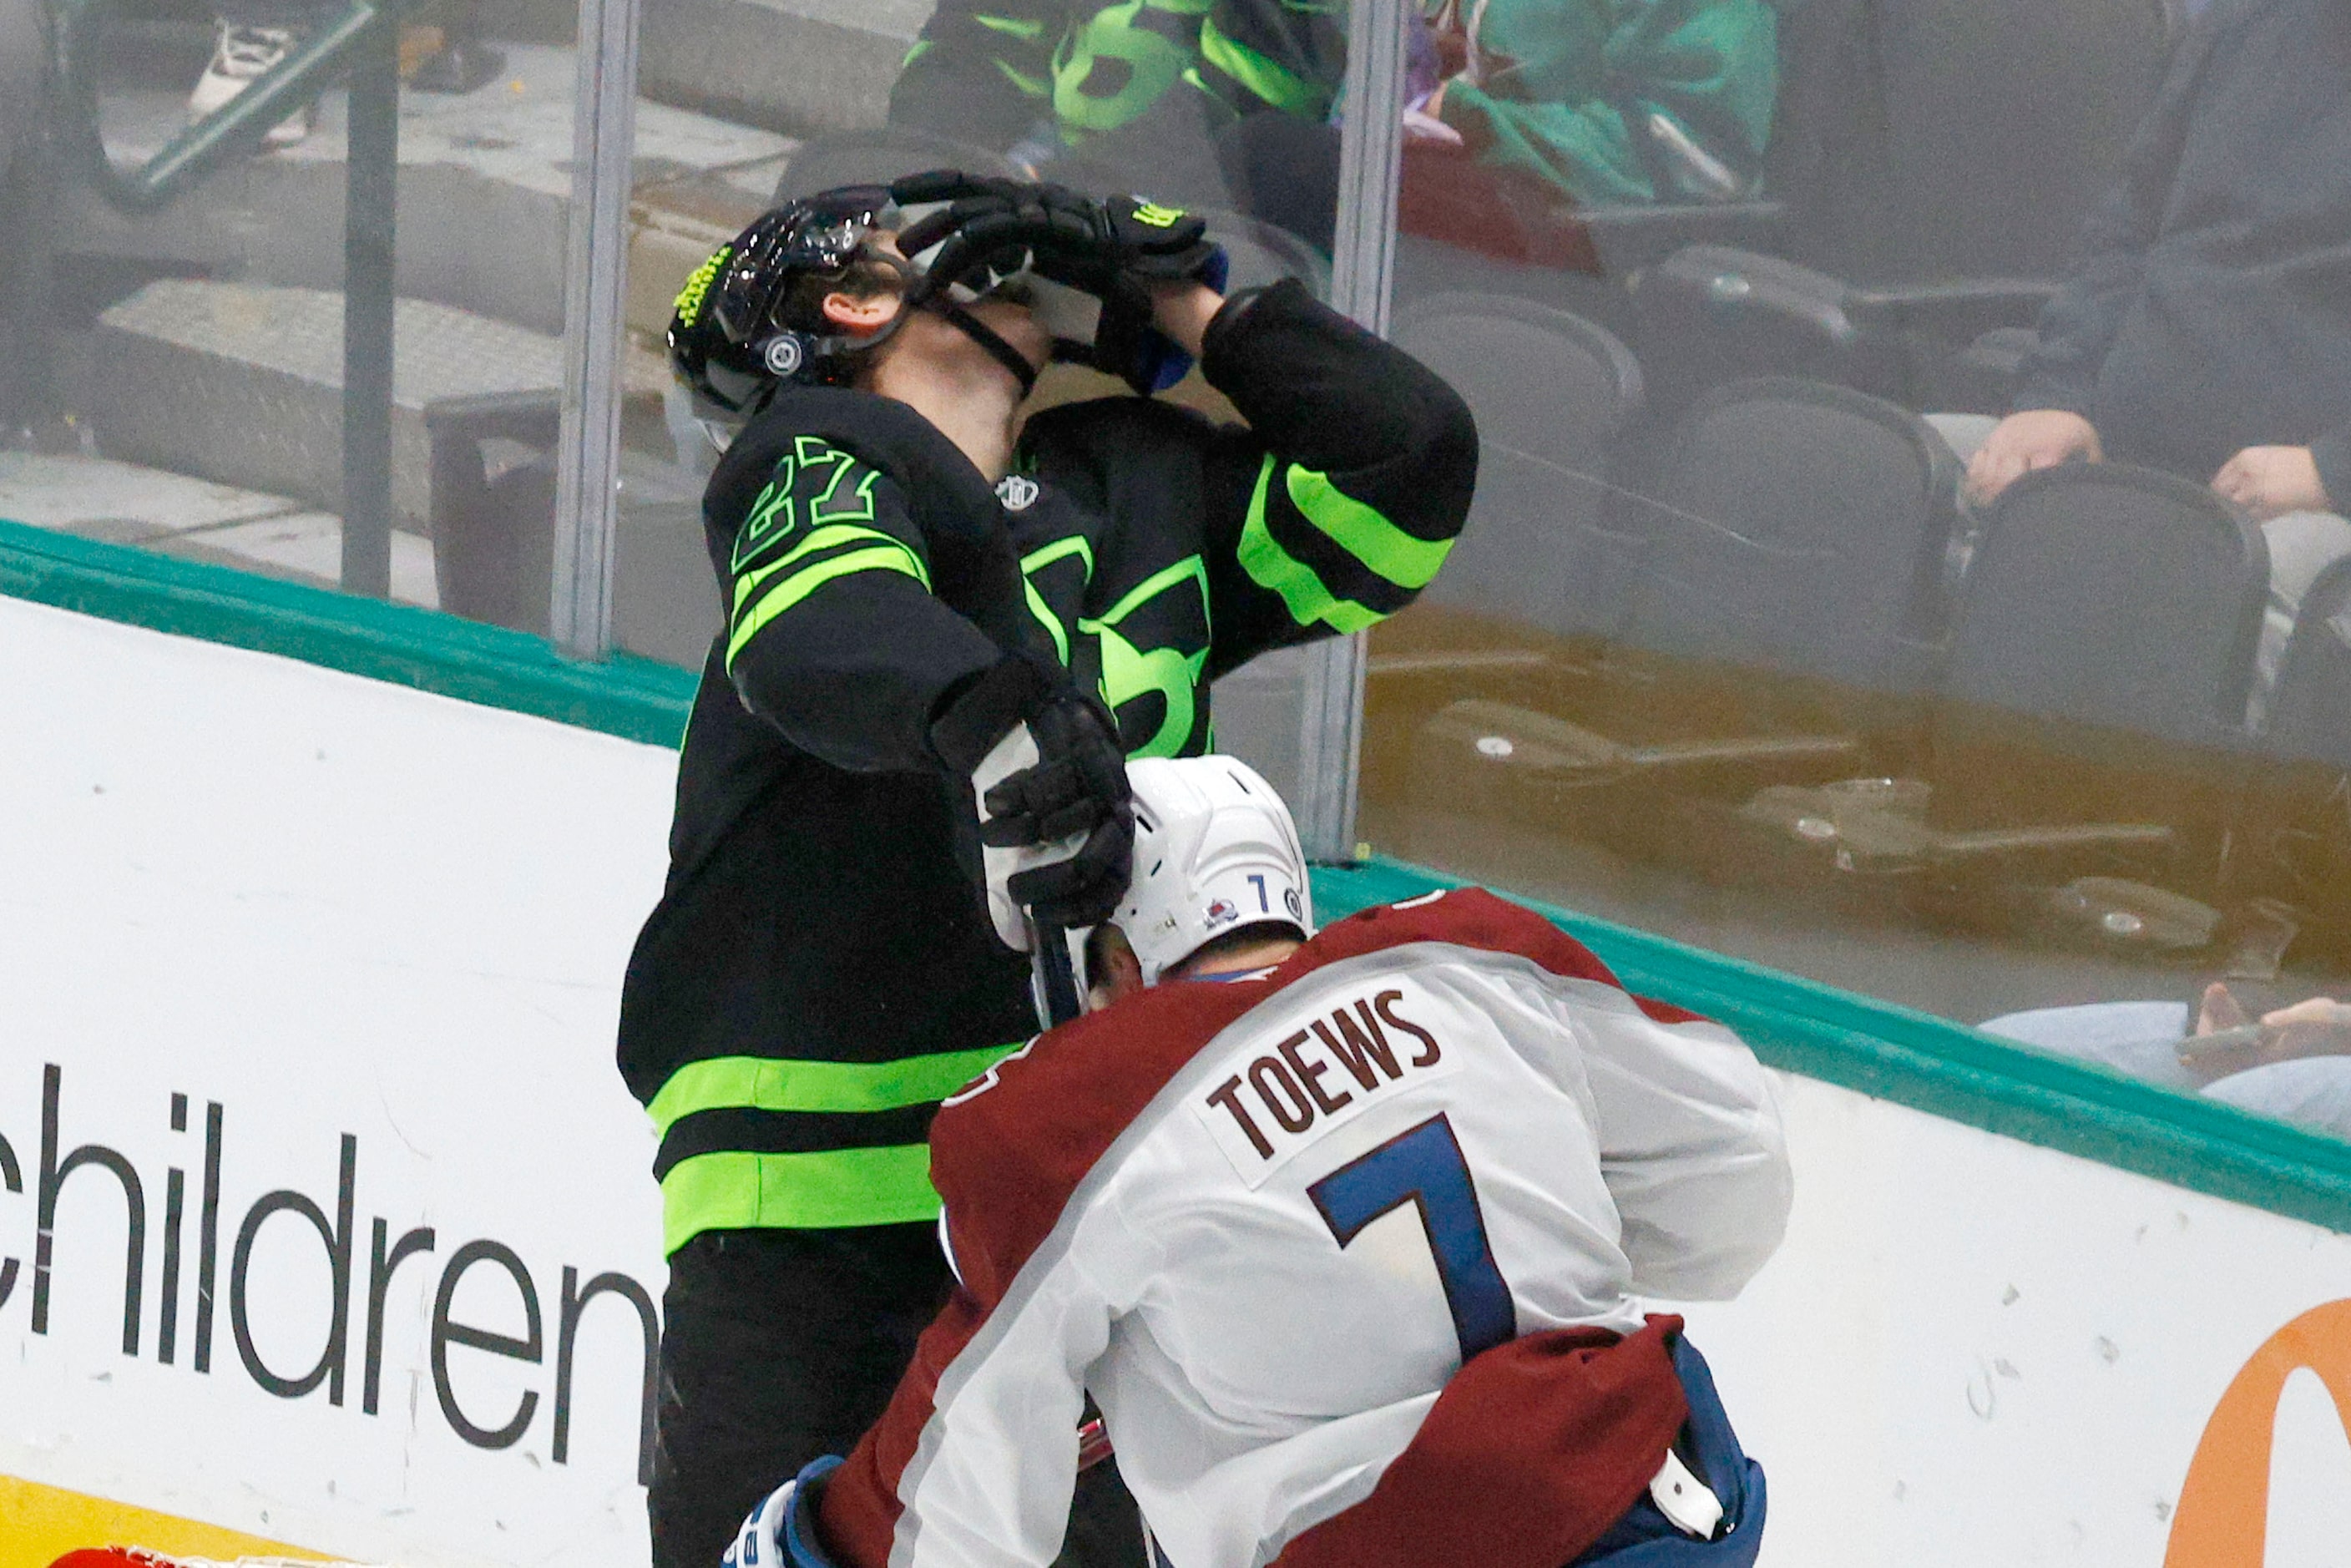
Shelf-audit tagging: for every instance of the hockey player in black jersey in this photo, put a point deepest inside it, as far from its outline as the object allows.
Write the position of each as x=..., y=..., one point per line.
x=907, y=582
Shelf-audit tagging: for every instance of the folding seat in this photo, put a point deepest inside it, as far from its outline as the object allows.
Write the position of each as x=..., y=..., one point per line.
x=1792, y=584
x=1803, y=530
x=1551, y=392
x=2087, y=741
x=1536, y=581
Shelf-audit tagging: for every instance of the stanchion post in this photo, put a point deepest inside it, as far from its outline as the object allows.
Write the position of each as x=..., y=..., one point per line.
x=1363, y=255
x=370, y=228
x=587, y=461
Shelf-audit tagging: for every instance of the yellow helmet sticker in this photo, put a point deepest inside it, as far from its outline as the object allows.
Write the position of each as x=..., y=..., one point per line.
x=1156, y=215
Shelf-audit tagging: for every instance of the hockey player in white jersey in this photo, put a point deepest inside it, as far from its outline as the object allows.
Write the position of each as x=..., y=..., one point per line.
x=1346, y=1248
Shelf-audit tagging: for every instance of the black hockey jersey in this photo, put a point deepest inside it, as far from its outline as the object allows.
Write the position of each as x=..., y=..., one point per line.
x=820, y=972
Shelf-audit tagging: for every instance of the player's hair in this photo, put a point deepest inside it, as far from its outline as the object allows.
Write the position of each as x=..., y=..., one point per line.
x=1098, y=939
x=862, y=278
x=1234, y=940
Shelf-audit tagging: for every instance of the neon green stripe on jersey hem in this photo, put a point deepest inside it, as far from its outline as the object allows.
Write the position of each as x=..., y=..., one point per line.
x=1363, y=533
x=762, y=1084
x=828, y=1191
x=894, y=557
x=1275, y=570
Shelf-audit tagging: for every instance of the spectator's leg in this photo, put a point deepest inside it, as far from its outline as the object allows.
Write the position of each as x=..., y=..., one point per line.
x=2302, y=544
x=251, y=36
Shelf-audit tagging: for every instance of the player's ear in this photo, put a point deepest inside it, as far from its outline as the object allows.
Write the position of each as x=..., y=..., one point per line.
x=1112, y=968
x=859, y=314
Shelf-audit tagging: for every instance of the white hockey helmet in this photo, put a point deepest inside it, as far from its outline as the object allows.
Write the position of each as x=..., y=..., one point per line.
x=1214, y=851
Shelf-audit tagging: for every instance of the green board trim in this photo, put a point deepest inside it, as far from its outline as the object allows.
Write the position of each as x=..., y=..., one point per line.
x=1876, y=1048
x=631, y=698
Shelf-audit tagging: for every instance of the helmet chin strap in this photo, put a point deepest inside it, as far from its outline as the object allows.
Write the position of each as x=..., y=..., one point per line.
x=987, y=337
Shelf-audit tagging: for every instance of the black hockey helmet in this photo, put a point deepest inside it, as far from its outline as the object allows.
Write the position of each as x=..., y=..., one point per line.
x=734, y=336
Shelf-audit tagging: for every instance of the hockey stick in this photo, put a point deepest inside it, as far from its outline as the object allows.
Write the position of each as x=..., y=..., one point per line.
x=1052, y=975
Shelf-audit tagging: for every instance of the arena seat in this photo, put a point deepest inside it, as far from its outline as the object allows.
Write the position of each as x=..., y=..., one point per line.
x=1551, y=392
x=1709, y=314
x=2110, y=595
x=1803, y=529
x=2086, y=737
x=1783, y=625
x=2097, y=681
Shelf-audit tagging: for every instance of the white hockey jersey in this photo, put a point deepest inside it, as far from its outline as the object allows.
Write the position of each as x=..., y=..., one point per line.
x=1264, y=1222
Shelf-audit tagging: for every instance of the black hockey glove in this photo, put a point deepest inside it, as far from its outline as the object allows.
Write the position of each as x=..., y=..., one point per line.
x=1077, y=786
x=1067, y=787
x=1100, y=246
x=1114, y=250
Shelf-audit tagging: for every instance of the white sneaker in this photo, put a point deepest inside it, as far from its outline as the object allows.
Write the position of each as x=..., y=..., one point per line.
x=240, y=55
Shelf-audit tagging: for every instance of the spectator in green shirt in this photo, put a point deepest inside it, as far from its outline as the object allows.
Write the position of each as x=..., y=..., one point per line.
x=1236, y=102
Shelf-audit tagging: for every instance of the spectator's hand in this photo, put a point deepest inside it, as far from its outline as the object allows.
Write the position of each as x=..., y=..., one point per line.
x=2270, y=481
x=2036, y=438
x=2220, y=1010
x=2319, y=1027
x=1425, y=125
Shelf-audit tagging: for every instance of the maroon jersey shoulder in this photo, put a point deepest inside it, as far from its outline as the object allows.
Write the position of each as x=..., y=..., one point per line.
x=1007, y=1152
x=1472, y=917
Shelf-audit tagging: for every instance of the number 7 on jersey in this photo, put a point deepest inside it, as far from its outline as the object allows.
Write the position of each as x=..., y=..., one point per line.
x=1423, y=1166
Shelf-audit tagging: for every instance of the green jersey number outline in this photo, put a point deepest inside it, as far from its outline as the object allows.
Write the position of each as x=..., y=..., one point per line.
x=774, y=515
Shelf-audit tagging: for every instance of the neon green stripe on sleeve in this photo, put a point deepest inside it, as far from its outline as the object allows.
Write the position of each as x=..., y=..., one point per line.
x=822, y=539
x=1043, y=556
x=757, y=1082
x=893, y=557
x=1362, y=532
x=1275, y=570
x=827, y=1191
